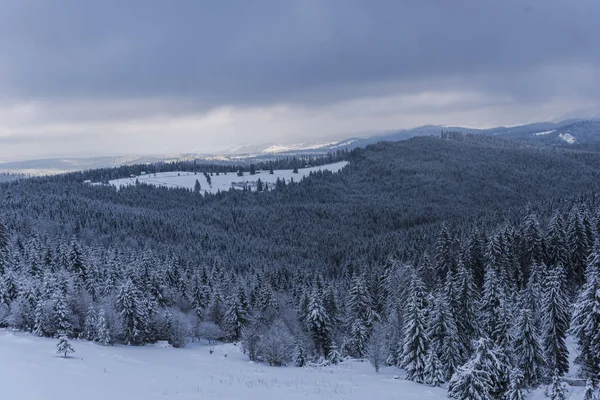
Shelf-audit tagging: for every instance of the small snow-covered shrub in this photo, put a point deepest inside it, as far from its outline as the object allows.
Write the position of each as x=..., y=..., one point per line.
x=179, y=329
x=251, y=342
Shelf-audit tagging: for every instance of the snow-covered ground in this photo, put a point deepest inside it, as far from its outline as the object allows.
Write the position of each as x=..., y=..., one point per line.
x=545, y=132
x=223, y=182
x=30, y=369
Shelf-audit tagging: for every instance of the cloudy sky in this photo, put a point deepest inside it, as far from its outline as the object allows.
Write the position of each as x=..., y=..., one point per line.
x=137, y=76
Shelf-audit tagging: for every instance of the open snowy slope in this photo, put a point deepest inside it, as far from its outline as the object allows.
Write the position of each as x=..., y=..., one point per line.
x=223, y=182
x=29, y=369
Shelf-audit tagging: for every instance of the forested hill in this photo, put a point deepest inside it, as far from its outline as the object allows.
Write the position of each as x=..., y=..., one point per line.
x=390, y=198
x=448, y=257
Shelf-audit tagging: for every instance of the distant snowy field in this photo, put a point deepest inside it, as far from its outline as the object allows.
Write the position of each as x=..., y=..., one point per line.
x=30, y=369
x=223, y=182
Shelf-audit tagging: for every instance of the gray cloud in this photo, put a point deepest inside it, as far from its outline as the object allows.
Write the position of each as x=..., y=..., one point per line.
x=109, y=62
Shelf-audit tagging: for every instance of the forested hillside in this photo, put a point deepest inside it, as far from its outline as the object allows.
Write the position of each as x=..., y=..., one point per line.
x=456, y=259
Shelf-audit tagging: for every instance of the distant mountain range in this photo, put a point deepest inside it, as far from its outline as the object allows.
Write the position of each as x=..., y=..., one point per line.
x=574, y=133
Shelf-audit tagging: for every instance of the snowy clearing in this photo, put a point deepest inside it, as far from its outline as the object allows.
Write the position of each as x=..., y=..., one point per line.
x=223, y=182
x=31, y=370
x=545, y=133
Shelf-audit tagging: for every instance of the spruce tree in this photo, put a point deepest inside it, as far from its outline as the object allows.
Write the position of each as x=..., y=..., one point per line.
x=102, y=330
x=484, y=376
x=360, y=317
x=555, y=320
x=131, y=308
x=516, y=391
x=585, y=324
x=443, y=335
x=414, y=349
x=590, y=391
x=557, y=389
x=90, y=327
x=434, y=372
x=63, y=346
x=528, y=353
x=318, y=324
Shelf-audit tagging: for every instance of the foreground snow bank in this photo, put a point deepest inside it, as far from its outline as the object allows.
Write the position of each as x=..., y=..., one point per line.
x=30, y=369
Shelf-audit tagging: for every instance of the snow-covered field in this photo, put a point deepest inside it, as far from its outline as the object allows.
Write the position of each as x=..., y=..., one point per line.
x=223, y=182
x=30, y=369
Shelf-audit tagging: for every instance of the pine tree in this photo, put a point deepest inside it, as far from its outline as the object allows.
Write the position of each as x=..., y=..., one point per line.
x=556, y=242
x=318, y=324
x=63, y=346
x=579, y=248
x=414, y=349
x=132, y=310
x=474, y=259
x=589, y=393
x=465, y=315
x=443, y=335
x=61, y=315
x=556, y=320
x=529, y=356
x=90, y=327
x=557, y=390
x=235, y=318
x=585, y=324
x=197, y=187
x=493, y=311
x=516, y=391
x=300, y=356
x=434, y=372
x=361, y=317
x=103, y=332
x=483, y=377
x=444, y=257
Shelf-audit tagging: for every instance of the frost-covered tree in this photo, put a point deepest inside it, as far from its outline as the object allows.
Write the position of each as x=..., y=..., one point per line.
x=132, y=311
x=414, y=349
x=360, y=318
x=557, y=389
x=317, y=322
x=300, y=354
x=590, y=391
x=585, y=324
x=102, y=329
x=555, y=316
x=484, y=376
x=516, y=391
x=277, y=345
x=443, y=335
x=434, y=372
x=528, y=352
x=90, y=326
x=63, y=347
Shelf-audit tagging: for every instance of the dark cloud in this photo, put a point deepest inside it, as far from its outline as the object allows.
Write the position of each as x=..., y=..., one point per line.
x=256, y=52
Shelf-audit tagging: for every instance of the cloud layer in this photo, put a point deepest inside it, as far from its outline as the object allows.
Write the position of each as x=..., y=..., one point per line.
x=203, y=76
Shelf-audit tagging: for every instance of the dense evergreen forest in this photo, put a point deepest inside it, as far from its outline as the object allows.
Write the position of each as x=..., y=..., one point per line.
x=462, y=259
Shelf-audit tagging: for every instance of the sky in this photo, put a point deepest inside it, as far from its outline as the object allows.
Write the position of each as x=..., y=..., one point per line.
x=115, y=77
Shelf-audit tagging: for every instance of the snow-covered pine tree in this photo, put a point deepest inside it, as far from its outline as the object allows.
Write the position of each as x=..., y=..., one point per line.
x=444, y=256
x=585, y=324
x=61, y=315
x=360, y=317
x=516, y=391
x=579, y=247
x=590, y=390
x=131, y=308
x=317, y=322
x=434, y=372
x=443, y=334
x=465, y=315
x=90, y=326
x=63, y=347
x=414, y=349
x=235, y=318
x=300, y=355
x=484, y=376
x=493, y=310
x=555, y=316
x=102, y=329
x=528, y=352
x=557, y=390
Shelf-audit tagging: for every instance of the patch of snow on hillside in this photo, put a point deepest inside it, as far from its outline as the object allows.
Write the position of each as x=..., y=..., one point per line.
x=545, y=133
x=567, y=137
x=223, y=182
x=31, y=370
